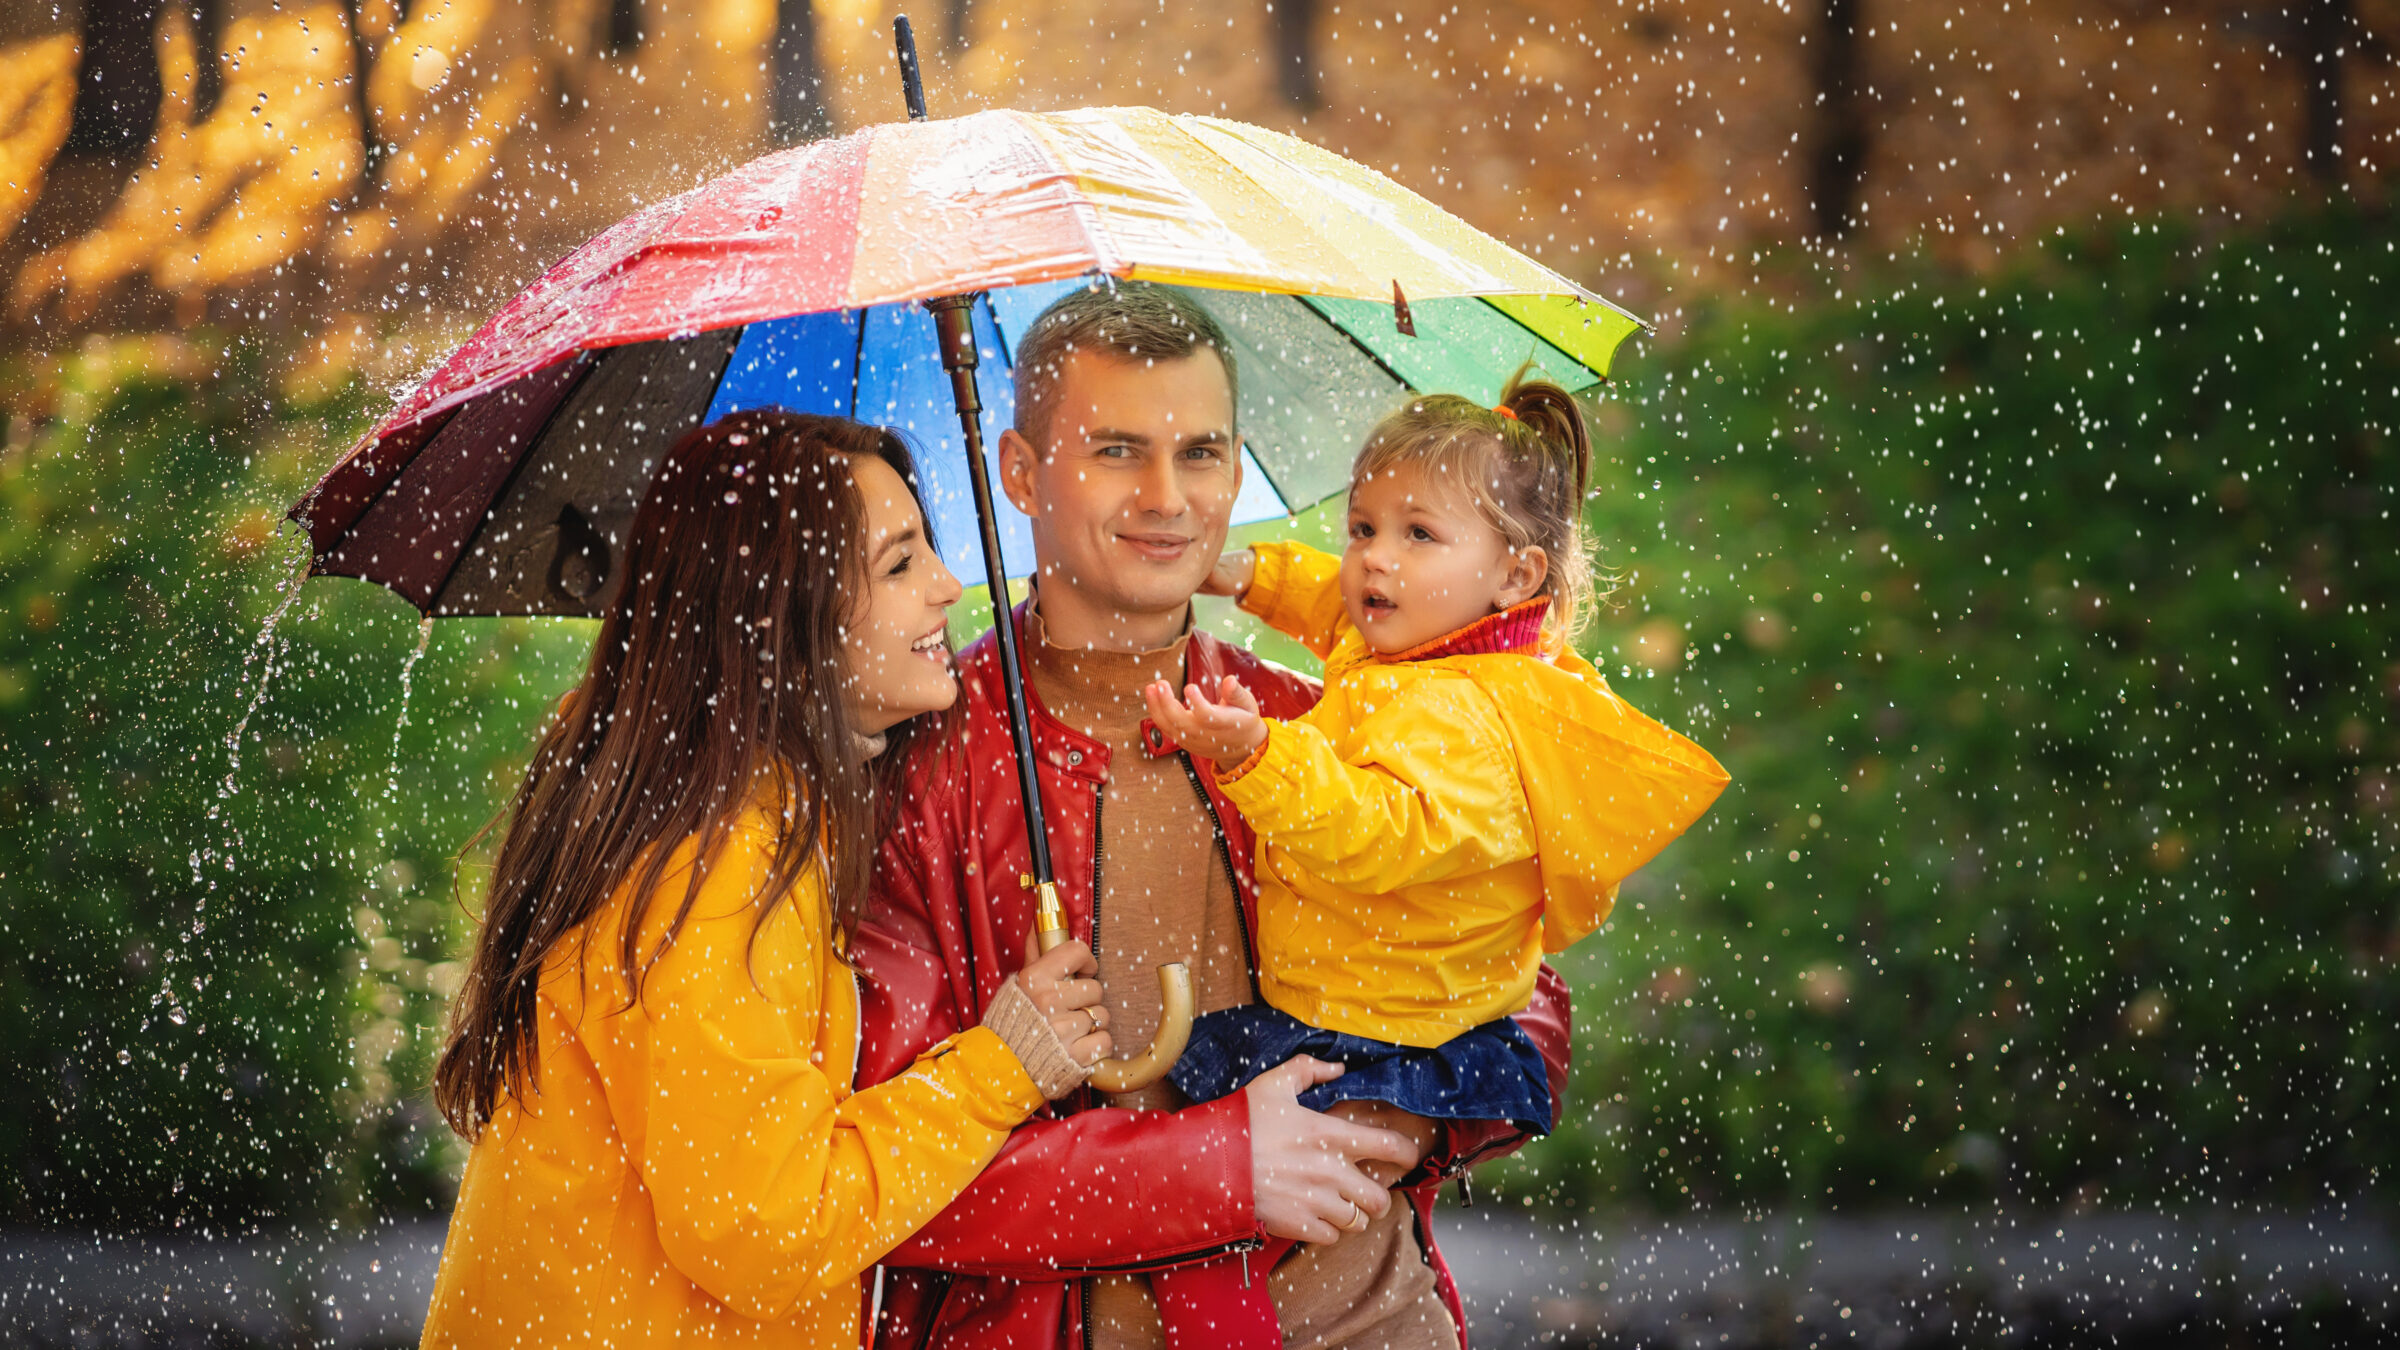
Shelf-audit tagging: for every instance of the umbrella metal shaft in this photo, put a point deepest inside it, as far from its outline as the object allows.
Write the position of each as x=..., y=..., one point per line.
x=953, y=321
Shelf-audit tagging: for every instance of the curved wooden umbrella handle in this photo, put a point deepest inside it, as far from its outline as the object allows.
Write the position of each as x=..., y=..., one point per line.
x=1130, y=1072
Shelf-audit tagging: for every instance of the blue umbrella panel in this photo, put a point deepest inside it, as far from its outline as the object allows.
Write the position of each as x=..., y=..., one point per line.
x=882, y=365
x=518, y=502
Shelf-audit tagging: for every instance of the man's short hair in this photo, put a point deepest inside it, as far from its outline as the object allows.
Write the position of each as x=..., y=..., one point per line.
x=1128, y=320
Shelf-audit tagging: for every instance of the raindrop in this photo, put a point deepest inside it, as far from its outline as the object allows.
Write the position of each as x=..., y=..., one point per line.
x=408, y=671
x=270, y=646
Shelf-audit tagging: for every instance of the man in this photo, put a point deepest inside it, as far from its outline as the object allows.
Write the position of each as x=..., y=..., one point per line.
x=1125, y=458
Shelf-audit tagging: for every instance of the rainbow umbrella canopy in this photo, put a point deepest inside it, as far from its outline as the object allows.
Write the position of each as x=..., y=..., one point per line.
x=506, y=482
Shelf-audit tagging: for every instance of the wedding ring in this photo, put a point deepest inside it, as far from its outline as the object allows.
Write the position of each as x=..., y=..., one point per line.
x=1358, y=1219
x=1091, y=1017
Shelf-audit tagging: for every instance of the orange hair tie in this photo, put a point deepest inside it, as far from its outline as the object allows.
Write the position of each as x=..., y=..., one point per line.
x=1508, y=412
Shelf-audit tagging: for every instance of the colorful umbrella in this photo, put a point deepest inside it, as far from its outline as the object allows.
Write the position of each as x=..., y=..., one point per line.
x=504, y=483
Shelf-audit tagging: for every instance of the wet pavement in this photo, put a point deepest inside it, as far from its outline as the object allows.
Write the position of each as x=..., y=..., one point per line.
x=1890, y=1280
x=1918, y=1280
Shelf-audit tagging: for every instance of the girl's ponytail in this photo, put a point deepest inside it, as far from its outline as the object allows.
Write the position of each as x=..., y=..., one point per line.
x=1544, y=434
x=1555, y=419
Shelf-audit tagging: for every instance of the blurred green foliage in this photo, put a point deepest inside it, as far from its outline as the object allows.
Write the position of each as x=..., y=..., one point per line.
x=217, y=1002
x=2045, y=622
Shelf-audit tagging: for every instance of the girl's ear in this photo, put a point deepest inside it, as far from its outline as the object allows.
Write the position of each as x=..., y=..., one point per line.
x=1528, y=568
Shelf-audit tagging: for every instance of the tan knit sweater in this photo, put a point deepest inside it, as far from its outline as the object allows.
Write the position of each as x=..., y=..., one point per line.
x=1158, y=855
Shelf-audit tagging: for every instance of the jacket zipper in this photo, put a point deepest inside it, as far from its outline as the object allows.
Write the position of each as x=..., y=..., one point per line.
x=1099, y=797
x=1241, y=1247
x=1191, y=1258
x=1233, y=878
x=1083, y=1287
x=1241, y=924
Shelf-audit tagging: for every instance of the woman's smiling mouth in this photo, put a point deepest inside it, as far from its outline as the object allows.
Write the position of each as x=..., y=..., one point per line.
x=932, y=646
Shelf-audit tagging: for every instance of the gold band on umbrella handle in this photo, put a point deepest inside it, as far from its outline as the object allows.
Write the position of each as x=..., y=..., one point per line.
x=1174, y=998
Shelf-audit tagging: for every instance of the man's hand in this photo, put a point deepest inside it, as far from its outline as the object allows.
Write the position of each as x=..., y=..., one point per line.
x=1306, y=1173
x=1227, y=732
x=1422, y=1134
x=1231, y=576
x=1061, y=986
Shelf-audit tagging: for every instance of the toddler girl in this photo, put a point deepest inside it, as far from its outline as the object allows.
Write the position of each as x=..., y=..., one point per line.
x=1468, y=794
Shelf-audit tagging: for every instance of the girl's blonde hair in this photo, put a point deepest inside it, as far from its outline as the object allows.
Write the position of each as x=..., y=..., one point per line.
x=1525, y=463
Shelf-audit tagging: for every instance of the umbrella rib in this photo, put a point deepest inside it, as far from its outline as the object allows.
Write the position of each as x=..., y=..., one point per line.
x=516, y=470
x=370, y=448
x=858, y=362
x=1364, y=349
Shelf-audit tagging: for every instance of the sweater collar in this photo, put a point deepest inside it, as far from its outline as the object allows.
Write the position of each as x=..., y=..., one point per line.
x=1515, y=629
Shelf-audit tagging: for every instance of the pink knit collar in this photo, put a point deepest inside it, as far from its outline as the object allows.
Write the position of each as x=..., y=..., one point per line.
x=1515, y=629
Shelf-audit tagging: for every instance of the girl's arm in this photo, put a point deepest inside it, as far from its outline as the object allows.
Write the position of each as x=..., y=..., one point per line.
x=1432, y=792
x=1297, y=590
x=766, y=1184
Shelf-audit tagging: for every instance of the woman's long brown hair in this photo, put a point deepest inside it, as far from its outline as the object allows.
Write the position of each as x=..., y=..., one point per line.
x=718, y=672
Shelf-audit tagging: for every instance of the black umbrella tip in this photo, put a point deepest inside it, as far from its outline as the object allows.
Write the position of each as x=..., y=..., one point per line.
x=912, y=81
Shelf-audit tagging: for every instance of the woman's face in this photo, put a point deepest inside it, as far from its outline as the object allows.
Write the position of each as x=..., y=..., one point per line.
x=894, y=647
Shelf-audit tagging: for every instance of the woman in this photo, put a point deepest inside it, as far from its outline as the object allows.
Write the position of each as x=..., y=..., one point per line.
x=654, y=1044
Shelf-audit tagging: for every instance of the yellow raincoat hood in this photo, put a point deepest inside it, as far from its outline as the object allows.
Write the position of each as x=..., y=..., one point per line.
x=1606, y=786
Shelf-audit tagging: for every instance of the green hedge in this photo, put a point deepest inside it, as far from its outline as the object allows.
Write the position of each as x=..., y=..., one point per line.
x=2060, y=866
x=2045, y=624
x=216, y=1007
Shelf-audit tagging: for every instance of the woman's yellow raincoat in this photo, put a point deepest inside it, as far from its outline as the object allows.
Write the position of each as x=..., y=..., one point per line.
x=695, y=1170
x=1443, y=817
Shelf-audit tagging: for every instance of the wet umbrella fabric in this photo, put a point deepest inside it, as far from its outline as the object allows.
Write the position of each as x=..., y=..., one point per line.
x=505, y=482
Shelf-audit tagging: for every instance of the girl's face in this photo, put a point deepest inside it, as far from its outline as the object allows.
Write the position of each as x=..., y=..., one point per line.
x=1422, y=561
x=894, y=648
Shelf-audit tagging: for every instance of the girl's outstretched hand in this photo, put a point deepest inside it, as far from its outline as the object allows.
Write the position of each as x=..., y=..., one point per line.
x=1227, y=730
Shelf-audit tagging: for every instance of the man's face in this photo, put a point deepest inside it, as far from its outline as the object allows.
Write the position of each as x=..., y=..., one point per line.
x=1131, y=495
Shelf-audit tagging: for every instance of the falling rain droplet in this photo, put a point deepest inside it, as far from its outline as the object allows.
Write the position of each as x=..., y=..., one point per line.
x=268, y=644
x=408, y=671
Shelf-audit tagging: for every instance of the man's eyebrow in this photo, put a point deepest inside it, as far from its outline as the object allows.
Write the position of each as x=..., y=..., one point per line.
x=1115, y=436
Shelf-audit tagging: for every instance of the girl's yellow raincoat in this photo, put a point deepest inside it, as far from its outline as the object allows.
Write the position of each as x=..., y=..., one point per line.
x=1437, y=822
x=695, y=1170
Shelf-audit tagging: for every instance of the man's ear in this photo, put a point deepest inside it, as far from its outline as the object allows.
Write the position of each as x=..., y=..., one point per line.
x=1527, y=570
x=1017, y=459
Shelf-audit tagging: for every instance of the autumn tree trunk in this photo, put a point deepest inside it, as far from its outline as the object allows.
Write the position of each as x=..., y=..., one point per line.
x=1841, y=133
x=2323, y=24
x=624, y=26
x=370, y=138
x=1295, y=52
x=117, y=91
x=798, y=111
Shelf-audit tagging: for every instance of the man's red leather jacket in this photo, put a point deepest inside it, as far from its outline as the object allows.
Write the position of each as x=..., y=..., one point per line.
x=1076, y=1192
